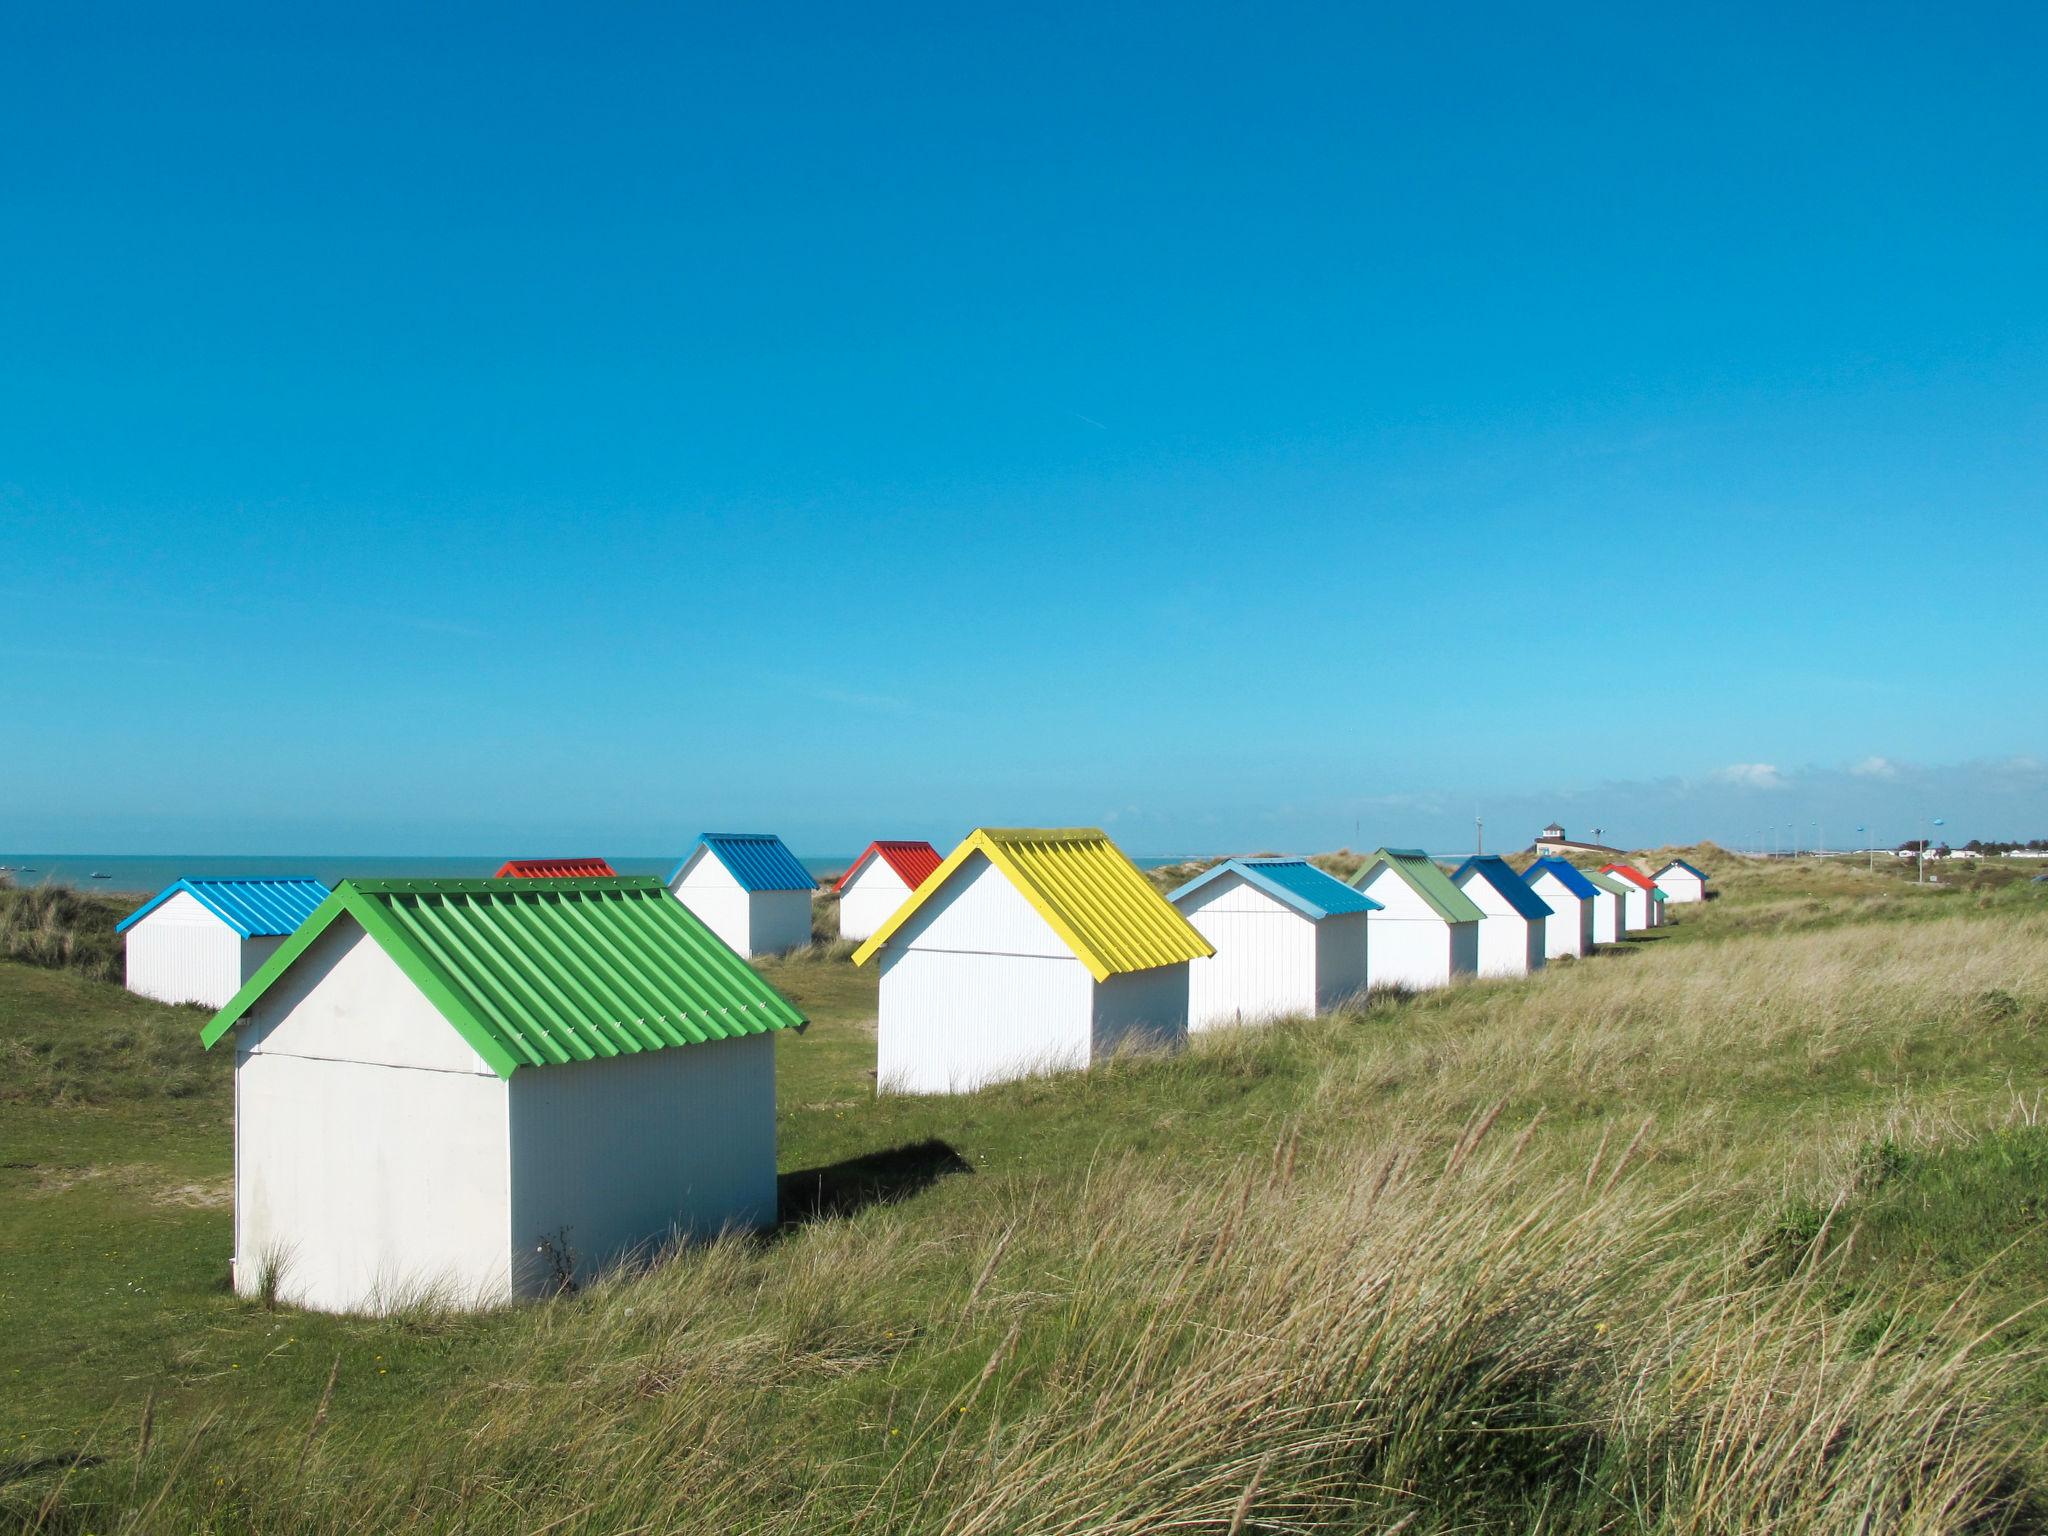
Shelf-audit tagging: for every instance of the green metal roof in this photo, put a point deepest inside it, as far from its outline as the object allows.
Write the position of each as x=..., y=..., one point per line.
x=535, y=973
x=1427, y=879
x=1607, y=883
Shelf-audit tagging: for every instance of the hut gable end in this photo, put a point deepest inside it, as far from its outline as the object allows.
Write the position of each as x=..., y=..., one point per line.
x=345, y=999
x=1234, y=894
x=1399, y=901
x=704, y=870
x=978, y=911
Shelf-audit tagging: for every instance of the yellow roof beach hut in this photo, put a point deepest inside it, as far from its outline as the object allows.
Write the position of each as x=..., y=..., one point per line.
x=1027, y=951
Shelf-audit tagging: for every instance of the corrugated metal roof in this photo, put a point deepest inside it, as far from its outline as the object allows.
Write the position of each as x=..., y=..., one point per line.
x=1079, y=881
x=1629, y=873
x=1567, y=875
x=913, y=861
x=1427, y=880
x=1314, y=893
x=557, y=869
x=1498, y=873
x=758, y=860
x=536, y=973
x=1698, y=874
x=1607, y=883
x=255, y=906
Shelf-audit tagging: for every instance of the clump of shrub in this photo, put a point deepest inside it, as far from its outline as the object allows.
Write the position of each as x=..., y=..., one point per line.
x=61, y=928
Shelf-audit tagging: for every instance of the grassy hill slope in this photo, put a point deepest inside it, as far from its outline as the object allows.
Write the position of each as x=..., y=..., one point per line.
x=1735, y=1226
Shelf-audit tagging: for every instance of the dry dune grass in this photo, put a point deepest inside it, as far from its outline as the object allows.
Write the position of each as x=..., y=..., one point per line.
x=1518, y=1261
x=1399, y=1334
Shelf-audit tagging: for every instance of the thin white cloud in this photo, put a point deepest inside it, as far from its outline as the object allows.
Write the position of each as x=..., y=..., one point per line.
x=1750, y=775
x=1876, y=768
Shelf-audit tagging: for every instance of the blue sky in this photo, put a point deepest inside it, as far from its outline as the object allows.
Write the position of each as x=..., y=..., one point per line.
x=1276, y=426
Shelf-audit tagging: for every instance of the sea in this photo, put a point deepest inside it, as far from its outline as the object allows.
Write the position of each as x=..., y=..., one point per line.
x=148, y=873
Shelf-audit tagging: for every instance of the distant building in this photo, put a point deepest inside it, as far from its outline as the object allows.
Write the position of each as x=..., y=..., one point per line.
x=1645, y=902
x=1512, y=935
x=1426, y=933
x=1682, y=882
x=556, y=869
x=1610, y=908
x=1552, y=839
x=880, y=881
x=1289, y=939
x=199, y=941
x=749, y=889
x=1573, y=898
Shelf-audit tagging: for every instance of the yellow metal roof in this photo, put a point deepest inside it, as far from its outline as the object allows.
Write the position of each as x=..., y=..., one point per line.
x=1107, y=913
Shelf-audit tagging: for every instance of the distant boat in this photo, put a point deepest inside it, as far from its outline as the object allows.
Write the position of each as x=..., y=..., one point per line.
x=96, y=875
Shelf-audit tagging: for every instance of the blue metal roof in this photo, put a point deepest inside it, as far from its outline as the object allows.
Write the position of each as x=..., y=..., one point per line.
x=1698, y=874
x=1498, y=873
x=1314, y=893
x=758, y=860
x=255, y=906
x=1568, y=875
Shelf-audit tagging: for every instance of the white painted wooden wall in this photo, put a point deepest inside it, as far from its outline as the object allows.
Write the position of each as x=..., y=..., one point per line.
x=1266, y=961
x=1343, y=969
x=1638, y=909
x=1140, y=1010
x=631, y=1152
x=1680, y=887
x=778, y=921
x=1607, y=918
x=370, y=1140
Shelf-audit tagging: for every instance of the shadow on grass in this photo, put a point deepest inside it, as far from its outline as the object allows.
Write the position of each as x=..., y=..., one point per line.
x=874, y=1178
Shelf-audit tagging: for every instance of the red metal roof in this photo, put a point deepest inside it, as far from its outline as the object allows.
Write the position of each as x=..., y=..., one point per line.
x=912, y=861
x=556, y=869
x=1629, y=873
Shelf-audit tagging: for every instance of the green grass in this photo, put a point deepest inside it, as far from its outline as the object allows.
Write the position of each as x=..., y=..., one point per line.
x=1694, y=1234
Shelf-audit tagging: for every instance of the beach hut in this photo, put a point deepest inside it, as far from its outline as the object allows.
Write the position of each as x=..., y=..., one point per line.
x=1642, y=913
x=1610, y=911
x=1513, y=933
x=473, y=1090
x=750, y=890
x=199, y=940
x=1681, y=882
x=1289, y=939
x=1027, y=951
x=1572, y=898
x=879, y=881
x=1426, y=933
x=556, y=869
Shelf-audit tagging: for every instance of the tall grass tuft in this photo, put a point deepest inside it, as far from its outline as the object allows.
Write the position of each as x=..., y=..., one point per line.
x=56, y=926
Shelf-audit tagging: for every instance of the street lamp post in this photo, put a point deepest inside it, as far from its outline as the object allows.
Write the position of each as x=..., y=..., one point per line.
x=1923, y=850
